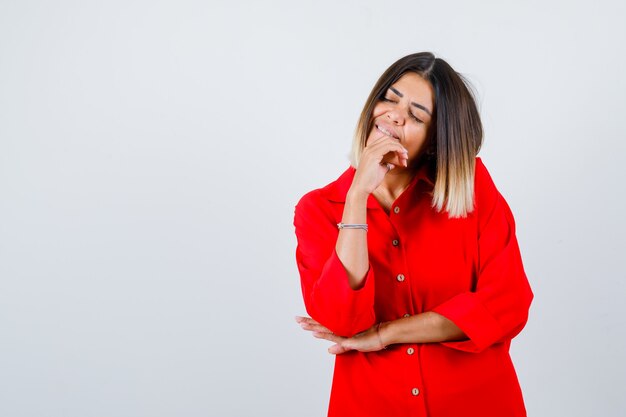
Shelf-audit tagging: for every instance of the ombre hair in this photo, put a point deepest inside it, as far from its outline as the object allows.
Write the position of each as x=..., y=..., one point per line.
x=455, y=133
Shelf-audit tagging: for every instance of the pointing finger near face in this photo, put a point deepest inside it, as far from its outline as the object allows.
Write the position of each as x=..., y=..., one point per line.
x=384, y=147
x=374, y=141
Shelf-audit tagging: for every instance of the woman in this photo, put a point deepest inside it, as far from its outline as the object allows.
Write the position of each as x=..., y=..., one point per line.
x=409, y=261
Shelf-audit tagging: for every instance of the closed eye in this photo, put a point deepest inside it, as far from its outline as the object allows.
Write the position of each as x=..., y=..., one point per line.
x=415, y=118
x=411, y=115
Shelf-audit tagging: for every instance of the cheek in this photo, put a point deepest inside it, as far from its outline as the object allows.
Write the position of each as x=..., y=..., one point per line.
x=416, y=137
x=378, y=110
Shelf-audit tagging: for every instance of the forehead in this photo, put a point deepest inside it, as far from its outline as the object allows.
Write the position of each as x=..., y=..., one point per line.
x=416, y=89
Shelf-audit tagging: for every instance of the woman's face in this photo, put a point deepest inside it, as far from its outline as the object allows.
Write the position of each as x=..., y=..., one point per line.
x=405, y=113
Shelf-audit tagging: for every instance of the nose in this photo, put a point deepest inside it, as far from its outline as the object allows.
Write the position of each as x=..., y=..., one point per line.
x=395, y=117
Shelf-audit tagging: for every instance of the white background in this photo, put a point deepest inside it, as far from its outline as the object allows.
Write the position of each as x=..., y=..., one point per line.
x=151, y=154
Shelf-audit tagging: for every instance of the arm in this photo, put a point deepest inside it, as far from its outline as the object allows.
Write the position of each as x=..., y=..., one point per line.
x=328, y=296
x=352, y=243
x=426, y=327
x=497, y=309
x=337, y=279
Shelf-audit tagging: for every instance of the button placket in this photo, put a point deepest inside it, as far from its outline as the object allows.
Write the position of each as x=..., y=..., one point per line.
x=399, y=282
x=413, y=379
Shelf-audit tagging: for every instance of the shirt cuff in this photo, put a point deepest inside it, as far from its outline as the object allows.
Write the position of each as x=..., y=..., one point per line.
x=354, y=308
x=466, y=311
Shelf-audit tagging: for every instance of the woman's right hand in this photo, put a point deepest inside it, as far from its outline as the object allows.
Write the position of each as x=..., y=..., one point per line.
x=379, y=157
x=369, y=340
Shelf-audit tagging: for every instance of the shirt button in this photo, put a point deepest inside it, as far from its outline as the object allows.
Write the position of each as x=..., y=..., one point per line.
x=407, y=315
x=396, y=209
x=395, y=242
x=415, y=391
x=400, y=277
x=410, y=351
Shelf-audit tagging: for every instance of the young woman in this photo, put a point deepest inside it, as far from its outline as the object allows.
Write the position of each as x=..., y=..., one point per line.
x=409, y=261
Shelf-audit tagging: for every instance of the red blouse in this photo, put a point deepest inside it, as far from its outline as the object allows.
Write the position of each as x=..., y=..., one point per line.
x=466, y=269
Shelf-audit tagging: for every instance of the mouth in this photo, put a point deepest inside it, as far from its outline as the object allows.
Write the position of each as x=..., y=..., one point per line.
x=387, y=132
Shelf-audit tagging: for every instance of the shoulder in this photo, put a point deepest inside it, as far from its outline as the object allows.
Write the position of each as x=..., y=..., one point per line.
x=487, y=196
x=490, y=203
x=484, y=187
x=320, y=201
x=483, y=178
x=310, y=200
x=334, y=191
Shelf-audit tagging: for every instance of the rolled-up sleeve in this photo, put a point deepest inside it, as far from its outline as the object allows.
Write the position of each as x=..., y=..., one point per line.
x=497, y=309
x=328, y=297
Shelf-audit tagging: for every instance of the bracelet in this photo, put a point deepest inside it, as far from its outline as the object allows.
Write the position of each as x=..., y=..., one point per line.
x=352, y=226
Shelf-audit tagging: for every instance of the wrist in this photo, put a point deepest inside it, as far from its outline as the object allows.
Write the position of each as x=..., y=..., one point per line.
x=356, y=196
x=385, y=333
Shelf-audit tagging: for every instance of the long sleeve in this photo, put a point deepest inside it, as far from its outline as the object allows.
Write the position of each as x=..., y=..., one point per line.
x=327, y=295
x=497, y=309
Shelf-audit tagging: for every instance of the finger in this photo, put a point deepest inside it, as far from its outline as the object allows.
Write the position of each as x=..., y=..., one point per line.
x=387, y=166
x=371, y=144
x=395, y=158
x=389, y=145
x=329, y=336
x=354, y=344
x=309, y=324
x=338, y=349
x=315, y=327
x=375, y=140
x=384, y=147
x=380, y=134
x=306, y=320
x=404, y=159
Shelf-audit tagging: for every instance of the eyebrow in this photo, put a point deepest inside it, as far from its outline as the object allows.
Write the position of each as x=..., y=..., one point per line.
x=419, y=106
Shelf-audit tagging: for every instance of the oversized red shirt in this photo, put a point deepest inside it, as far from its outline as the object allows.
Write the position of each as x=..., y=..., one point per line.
x=466, y=269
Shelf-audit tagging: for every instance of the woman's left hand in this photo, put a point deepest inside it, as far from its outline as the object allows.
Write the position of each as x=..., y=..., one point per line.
x=366, y=341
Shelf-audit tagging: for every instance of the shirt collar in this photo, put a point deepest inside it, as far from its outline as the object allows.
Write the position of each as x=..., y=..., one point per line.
x=337, y=190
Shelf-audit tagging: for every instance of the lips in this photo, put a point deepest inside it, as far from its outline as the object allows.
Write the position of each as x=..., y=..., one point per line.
x=387, y=130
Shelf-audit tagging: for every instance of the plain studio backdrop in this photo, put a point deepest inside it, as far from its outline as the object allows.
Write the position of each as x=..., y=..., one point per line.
x=152, y=152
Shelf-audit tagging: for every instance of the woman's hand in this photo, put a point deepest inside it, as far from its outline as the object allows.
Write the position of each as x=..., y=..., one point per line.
x=367, y=341
x=379, y=157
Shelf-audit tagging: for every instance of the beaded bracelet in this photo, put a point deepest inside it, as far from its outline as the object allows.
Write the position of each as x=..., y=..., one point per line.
x=352, y=226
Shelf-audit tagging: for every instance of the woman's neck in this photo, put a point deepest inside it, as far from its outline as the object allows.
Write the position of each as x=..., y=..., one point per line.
x=394, y=184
